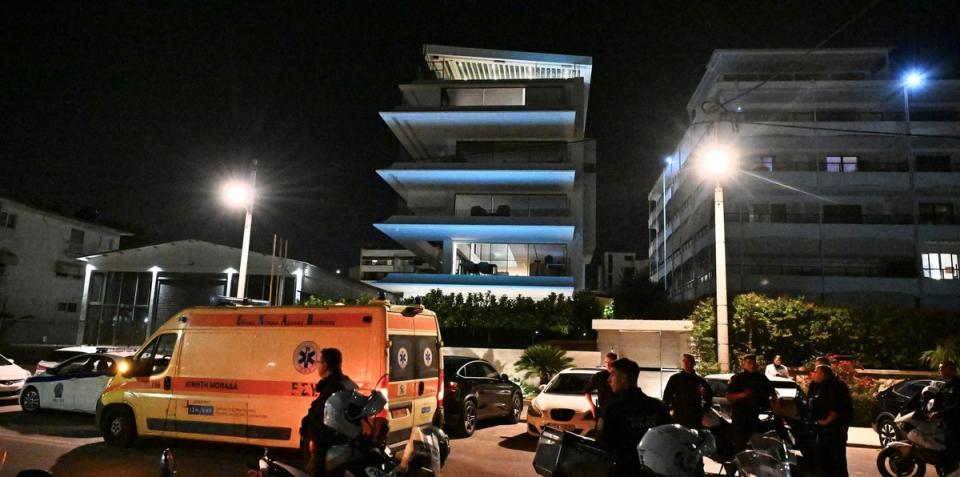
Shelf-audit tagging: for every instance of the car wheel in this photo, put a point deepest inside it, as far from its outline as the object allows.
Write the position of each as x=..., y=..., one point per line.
x=887, y=431
x=118, y=427
x=467, y=423
x=516, y=409
x=30, y=400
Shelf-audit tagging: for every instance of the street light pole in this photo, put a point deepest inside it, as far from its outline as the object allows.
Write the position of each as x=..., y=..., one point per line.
x=247, y=225
x=723, y=336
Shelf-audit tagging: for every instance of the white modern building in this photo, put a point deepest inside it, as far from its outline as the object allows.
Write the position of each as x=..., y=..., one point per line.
x=846, y=188
x=41, y=280
x=376, y=263
x=127, y=294
x=499, y=181
x=614, y=266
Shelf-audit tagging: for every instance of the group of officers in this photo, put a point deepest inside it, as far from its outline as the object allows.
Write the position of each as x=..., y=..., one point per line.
x=625, y=413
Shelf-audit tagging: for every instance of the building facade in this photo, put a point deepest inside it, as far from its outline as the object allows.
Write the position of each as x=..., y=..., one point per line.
x=41, y=280
x=127, y=294
x=499, y=181
x=378, y=263
x=614, y=266
x=846, y=187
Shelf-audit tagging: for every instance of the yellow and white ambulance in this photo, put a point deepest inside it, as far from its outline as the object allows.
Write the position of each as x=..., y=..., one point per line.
x=248, y=374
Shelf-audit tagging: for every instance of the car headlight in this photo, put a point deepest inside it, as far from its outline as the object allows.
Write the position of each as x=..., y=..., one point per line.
x=534, y=411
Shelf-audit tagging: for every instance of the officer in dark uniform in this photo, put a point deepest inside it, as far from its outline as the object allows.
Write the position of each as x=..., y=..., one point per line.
x=831, y=410
x=750, y=392
x=628, y=417
x=600, y=384
x=687, y=394
x=318, y=436
x=947, y=407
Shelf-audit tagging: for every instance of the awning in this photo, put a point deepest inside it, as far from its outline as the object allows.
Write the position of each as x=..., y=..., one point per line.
x=8, y=258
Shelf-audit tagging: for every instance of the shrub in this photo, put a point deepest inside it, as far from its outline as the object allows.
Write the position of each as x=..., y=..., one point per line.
x=543, y=361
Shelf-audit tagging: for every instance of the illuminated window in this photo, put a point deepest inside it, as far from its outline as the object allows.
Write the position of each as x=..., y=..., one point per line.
x=841, y=164
x=940, y=266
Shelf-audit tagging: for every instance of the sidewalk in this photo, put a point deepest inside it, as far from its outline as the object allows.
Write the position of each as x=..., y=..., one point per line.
x=862, y=437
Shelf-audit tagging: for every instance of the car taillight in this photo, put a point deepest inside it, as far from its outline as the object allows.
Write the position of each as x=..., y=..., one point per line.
x=40, y=368
x=440, y=392
x=454, y=387
x=383, y=387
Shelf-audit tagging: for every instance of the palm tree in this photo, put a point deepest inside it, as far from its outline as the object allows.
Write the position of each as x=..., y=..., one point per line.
x=543, y=361
x=948, y=349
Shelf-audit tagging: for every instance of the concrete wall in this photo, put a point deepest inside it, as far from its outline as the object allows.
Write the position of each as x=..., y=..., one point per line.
x=503, y=359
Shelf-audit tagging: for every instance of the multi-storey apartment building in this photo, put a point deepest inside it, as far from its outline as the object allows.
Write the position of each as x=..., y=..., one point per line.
x=614, y=266
x=846, y=188
x=500, y=179
x=41, y=280
x=376, y=263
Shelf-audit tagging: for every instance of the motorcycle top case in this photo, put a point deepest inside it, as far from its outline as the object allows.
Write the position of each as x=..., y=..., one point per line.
x=561, y=454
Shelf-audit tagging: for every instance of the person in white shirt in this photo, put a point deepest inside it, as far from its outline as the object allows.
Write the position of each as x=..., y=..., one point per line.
x=777, y=369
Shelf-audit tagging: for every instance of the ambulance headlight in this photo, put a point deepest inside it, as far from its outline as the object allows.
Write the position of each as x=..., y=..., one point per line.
x=123, y=367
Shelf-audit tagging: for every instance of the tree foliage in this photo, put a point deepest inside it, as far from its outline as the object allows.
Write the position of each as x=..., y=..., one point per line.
x=946, y=350
x=543, y=361
x=880, y=336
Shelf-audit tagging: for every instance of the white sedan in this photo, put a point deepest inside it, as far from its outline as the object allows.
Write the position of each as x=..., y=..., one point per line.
x=11, y=378
x=562, y=404
x=74, y=385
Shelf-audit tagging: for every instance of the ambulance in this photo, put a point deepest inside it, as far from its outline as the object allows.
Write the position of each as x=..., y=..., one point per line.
x=247, y=375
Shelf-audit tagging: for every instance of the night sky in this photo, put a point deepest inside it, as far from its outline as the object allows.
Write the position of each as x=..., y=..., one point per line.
x=139, y=110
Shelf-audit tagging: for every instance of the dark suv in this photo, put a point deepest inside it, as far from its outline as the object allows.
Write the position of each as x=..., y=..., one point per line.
x=474, y=391
x=889, y=402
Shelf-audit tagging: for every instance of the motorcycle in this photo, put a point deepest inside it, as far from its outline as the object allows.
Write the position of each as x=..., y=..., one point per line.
x=347, y=413
x=770, y=455
x=925, y=444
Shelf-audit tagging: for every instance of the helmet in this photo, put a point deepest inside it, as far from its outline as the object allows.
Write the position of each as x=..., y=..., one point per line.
x=342, y=412
x=672, y=450
x=928, y=392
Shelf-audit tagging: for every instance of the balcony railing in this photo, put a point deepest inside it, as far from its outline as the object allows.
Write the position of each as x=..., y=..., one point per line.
x=790, y=218
x=888, y=270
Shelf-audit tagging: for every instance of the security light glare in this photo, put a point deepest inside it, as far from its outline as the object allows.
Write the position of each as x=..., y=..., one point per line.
x=237, y=194
x=718, y=161
x=913, y=79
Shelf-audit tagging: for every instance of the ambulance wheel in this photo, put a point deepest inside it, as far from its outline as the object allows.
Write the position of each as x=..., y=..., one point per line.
x=118, y=427
x=516, y=409
x=467, y=423
x=30, y=400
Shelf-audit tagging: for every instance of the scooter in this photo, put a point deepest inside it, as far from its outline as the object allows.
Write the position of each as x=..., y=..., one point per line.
x=345, y=413
x=924, y=445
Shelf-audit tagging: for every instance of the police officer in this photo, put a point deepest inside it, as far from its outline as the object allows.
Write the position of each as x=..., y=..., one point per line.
x=831, y=411
x=628, y=416
x=750, y=392
x=687, y=394
x=947, y=407
x=332, y=380
x=600, y=384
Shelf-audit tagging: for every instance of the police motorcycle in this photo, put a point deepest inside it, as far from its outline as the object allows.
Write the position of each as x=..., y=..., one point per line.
x=925, y=442
x=769, y=455
x=670, y=450
x=345, y=413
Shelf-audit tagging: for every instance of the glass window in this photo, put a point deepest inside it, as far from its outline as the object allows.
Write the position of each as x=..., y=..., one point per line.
x=8, y=220
x=841, y=163
x=489, y=372
x=569, y=383
x=936, y=214
x=474, y=370
x=76, y=365
x=157, y=354
x=933, y=164
x=940, y=266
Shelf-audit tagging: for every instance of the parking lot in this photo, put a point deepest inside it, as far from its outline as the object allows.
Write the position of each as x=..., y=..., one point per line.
x=69, y=445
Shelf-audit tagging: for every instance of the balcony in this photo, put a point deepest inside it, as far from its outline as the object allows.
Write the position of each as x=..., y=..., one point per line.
x=499, y=229
x=414, y=284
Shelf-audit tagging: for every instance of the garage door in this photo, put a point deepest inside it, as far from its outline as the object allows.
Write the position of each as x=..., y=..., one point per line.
x=175, y=293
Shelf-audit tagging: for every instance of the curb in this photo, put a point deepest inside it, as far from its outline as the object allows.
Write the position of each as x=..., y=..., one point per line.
x=863, y=446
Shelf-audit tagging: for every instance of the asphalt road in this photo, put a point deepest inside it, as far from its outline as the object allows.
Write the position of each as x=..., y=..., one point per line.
x=69, y=445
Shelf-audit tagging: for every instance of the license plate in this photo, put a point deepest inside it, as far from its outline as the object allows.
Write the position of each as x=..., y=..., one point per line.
x=563, y=427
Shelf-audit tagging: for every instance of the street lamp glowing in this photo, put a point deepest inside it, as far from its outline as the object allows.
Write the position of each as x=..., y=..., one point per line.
x=718, y=161
x=914, y=79
x=237, y=194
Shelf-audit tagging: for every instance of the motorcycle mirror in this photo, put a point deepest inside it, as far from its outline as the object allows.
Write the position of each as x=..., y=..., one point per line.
x=375, y=403
x=168, y=466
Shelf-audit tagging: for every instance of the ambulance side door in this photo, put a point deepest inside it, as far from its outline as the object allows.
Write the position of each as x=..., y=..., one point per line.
x=155, y=367
x=428, y=362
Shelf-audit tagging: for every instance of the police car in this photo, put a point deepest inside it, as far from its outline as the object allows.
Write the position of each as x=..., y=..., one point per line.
x=60, y=355
x=73, y=385
x=11, y=378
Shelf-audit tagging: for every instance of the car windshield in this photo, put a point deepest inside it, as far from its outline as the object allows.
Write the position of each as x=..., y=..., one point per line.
x=4, y=361
x=61, y=355
x=570, y=383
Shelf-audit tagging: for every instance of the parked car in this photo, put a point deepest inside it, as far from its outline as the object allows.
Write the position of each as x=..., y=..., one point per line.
x=74, y=385
x=60, y=355
x=792, y=398
x=889, y=402
x=11, y=378
x=474, y=391
x=562, y=405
